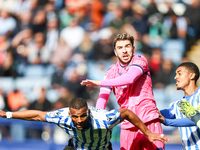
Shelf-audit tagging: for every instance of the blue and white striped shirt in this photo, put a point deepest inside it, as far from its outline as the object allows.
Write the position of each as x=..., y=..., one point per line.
x=190, y=135
x=97, y=136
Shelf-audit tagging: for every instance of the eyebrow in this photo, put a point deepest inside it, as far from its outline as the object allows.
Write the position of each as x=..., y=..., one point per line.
x=178, y=71
x=124, y=45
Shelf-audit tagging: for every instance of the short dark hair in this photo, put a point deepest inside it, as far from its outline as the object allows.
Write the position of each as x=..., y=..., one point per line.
x=123, y=36
x=78, y=103
x=192, y=68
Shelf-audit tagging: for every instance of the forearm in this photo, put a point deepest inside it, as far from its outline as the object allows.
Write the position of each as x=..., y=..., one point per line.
x=33, y=115
x=130, y=77
x=135, y=120
x=184, y=122
x=103, y=98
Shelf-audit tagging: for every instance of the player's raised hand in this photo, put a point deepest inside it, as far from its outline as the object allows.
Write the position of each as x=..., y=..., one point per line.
x=91, y=83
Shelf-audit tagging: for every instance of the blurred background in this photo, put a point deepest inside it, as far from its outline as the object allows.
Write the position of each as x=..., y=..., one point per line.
x=48, y=47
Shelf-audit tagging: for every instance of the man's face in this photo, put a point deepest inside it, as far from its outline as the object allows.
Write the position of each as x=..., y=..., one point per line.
x=80, y=117
x=183, y=78
x=124, y=51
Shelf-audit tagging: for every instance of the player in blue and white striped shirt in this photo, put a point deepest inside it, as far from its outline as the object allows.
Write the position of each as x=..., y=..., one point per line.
x=187, y=74
x=89, y=128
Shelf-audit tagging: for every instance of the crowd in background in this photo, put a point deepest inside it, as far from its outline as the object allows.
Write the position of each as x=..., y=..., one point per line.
x=67, y=41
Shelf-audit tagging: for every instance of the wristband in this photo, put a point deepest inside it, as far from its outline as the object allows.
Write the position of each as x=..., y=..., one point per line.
x=9, y=115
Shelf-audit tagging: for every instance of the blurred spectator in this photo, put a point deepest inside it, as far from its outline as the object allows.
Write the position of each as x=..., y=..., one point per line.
x=58, y=76
x=155, y=62
x=75, y=87
x=2, y=100
x=176, y=25
x=51, y=33
x=38, y=52
x=66, y=95
x=23, y=21
x=126, y=6
x=38, y=22
x=165, y=75
x=4, y=44
x=103, y=49
x=192, y=14
x=17, y=100
x=118, y=21
x=152, y=8
x=20, y=7
x=96, y=12
x=8, y=23
x=109, y=14
x=8, y=68
x=73, y=34
x=42, y=103
x=20, y=44
x=62, y=53
x=139, y=18
x=157, y=32
x=85, y=47
x=65, y=17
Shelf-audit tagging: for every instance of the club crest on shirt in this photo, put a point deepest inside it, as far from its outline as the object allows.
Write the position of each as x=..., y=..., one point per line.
x=109, y=119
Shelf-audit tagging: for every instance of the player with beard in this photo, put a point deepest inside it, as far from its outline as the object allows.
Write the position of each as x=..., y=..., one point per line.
x=130, y=81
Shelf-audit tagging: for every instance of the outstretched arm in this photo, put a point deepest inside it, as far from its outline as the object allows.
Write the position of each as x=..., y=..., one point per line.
x=135, y=120
x=131, y=76
x=169, y=120
x=32, y=115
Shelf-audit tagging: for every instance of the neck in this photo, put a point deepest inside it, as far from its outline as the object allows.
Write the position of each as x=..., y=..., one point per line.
x=190, y=90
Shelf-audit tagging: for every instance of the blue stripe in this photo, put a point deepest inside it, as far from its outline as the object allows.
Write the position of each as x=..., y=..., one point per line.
x=100, y=133
x=137, y=66
x=91, y=134
x=75, y=135
x=104, y=122
x=65, y=123
x=147, y=74
x=84, y=139
x=112, y=113
x=192, y=136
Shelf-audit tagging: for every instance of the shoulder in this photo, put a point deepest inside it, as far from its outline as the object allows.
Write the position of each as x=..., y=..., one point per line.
x=174, y=105
x=58, y=113
x=141, y=61
x=111, y=72
x=139, y=58
x=102, y=114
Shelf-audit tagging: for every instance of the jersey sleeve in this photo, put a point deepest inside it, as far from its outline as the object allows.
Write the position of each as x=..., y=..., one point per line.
x=171, y=120
x=106, y=118
x=128, y=78
x=183, y=122
x=141, y=62
x=113, y=118
x=56, y=116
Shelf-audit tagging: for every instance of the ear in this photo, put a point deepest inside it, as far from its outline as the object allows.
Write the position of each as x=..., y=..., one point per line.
x=88, y=112
x=69, y=114
x=192, y=76
x=115, y=52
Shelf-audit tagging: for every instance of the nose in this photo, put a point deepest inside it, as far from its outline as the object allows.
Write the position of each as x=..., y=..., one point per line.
x=79, y=119
x=124, y=50
x=175, y=77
